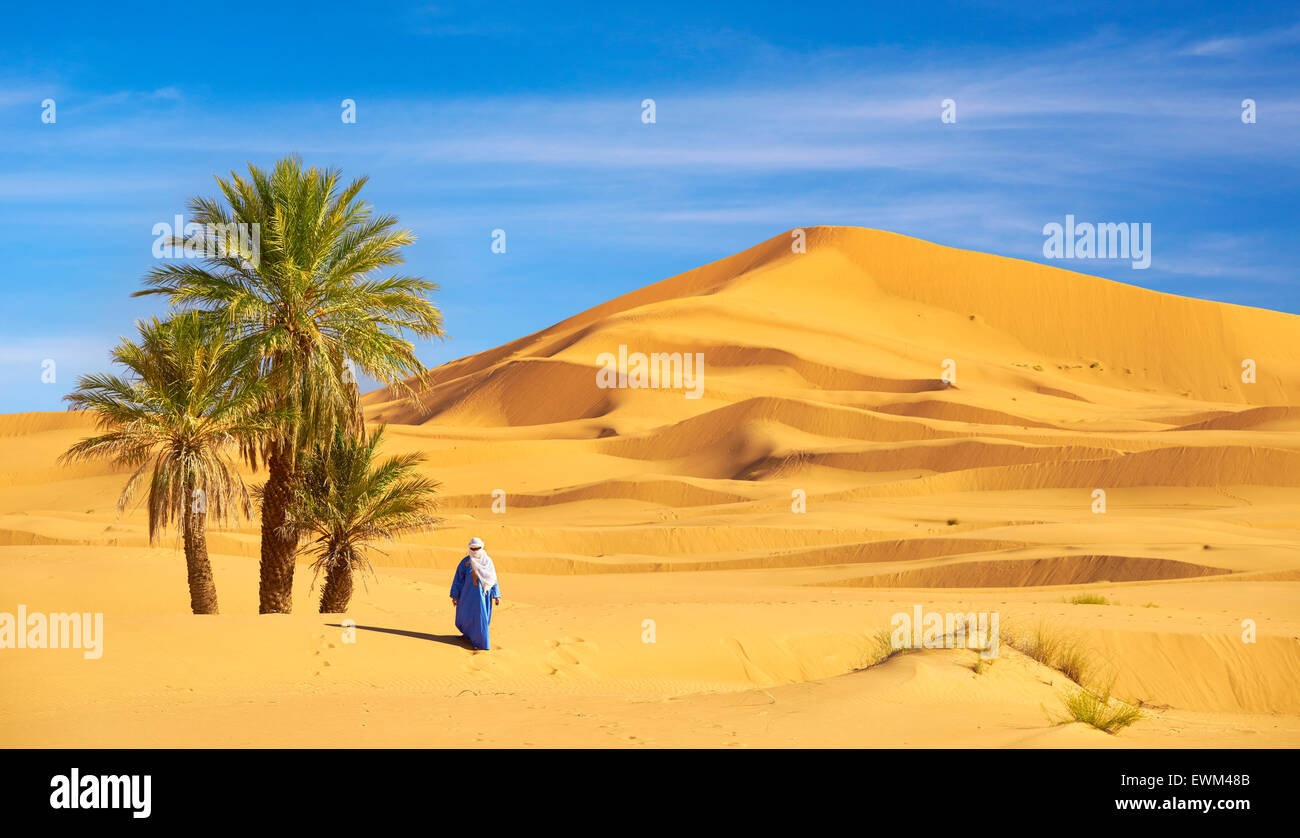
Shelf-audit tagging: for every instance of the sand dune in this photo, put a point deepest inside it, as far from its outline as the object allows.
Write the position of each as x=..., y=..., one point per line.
x=1270, y=417
x=830, y=475
x=1020, y=573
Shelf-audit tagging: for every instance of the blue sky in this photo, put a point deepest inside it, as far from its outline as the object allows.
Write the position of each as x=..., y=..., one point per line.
x=526, y=117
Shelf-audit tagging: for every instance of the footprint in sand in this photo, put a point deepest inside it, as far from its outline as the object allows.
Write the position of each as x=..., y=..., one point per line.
x=323, y=645
x=566, y=653
x=479, y=663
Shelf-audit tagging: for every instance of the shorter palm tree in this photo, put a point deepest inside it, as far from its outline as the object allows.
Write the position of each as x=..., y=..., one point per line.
x=345, y=501
x=185, y=409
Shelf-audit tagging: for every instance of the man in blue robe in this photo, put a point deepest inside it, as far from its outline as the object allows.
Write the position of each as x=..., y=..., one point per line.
x=474, y=591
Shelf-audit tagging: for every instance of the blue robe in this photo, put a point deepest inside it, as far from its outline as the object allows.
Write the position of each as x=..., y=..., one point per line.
x=474, y=611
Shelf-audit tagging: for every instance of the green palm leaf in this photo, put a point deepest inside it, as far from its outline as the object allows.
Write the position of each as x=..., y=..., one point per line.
x=320, y=302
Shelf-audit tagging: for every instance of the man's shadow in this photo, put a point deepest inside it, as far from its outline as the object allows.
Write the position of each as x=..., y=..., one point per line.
x=449, y=639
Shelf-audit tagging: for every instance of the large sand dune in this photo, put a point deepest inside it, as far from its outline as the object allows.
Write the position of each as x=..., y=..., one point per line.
x=826, y=478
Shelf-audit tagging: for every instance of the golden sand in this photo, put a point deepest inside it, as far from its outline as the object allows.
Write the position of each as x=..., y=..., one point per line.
x=638, y=514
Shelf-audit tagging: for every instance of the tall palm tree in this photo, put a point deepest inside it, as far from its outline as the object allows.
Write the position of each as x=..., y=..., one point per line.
x=179, y=418
x=346, y=501
x=313, y=308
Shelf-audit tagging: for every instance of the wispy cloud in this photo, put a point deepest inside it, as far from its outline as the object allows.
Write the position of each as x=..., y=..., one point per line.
x=1145, y=130
x=1238, y=45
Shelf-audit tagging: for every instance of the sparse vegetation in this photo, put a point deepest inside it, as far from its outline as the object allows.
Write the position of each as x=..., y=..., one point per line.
x=1088, y=599
x=880, y=649
x=1088, y=704
x=1052, y=649
x=952, y=522
x=1099, y=709
x=1072, y=662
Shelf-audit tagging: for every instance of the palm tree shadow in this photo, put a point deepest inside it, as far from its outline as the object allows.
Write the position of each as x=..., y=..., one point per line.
x=449, y=639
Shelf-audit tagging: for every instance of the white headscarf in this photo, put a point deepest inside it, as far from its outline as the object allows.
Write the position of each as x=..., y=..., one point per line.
x=482, y=564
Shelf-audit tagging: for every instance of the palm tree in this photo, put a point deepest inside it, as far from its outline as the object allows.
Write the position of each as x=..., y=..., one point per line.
x=310, y=306
x=185, y=409
x=345, y=501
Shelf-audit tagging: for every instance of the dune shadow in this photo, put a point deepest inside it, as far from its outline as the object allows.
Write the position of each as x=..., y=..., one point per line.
x=449, y=639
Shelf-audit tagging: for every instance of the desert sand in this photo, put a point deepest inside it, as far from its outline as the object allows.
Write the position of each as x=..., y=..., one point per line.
x=827, y=478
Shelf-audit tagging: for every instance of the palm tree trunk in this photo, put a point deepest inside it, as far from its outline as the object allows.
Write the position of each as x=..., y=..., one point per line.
x=336, y=594
x=203, y=589
x=279, y=546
